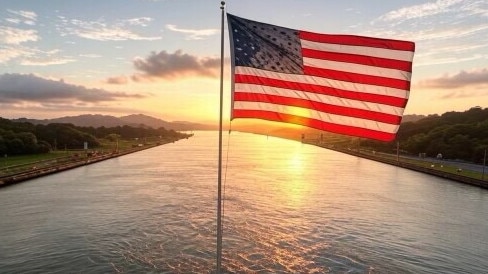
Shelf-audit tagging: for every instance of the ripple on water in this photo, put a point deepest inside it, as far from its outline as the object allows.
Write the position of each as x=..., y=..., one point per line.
x=289, y=208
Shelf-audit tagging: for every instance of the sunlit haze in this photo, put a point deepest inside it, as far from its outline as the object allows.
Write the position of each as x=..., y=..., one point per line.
x=162, y=57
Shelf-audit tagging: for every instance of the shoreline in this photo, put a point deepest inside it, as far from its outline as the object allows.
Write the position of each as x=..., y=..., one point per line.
x=16, y=178
x=12, y=179
x=438, y=173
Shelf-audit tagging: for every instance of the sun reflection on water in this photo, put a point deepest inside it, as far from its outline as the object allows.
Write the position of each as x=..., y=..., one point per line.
x=287, y=165
x=284, y=189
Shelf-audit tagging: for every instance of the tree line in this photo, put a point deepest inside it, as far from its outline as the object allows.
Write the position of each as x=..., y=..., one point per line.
x=26, y=138
x=454, y=135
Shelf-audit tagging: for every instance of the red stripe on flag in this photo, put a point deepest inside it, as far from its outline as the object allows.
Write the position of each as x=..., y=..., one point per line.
x=313, y=123
x=357, y=78
x=353, y=40
x=353, y=95
x=358, y=59
x=318, y=106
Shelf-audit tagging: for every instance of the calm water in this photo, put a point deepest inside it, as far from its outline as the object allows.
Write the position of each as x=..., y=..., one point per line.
x=289, y=208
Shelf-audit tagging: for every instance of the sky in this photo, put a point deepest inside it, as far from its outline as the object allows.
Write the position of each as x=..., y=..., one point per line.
x=162, y=57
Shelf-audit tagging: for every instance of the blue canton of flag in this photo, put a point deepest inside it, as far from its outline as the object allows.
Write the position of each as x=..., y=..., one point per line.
x=266, y=46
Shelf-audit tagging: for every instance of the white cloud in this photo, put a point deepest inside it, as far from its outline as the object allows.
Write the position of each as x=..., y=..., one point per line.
x=91, y=55
x=418, y=11
x=141, y=21
x=27, y=17
x=45, y=61
x=9, y=53
x=15, y=36
x=27, y=56
x=479, y=7
x=443, y=60
x=13, y=20
x=435, y=33
x=26, y=14
x=193, y=34
x=445, y=32
x=102, y=31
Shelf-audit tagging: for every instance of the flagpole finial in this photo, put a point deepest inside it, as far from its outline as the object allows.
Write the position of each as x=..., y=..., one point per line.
x=223, y=4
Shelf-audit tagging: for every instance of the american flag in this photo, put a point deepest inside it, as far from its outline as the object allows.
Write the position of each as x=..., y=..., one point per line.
x=346, y=84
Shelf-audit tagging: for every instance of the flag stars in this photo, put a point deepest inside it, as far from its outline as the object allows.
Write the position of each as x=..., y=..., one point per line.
x=266, y=46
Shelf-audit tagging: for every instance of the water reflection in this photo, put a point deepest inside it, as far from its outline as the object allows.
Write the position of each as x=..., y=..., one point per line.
x=286, y=164
x=289, y=208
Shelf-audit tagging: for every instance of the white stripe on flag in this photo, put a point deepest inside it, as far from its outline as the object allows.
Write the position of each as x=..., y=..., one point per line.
x=357, y=68
x=367, y=51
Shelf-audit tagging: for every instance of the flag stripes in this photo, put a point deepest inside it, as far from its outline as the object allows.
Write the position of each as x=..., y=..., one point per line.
x=315, y=123
x=251, y=89
x=358, y=59
x=371, y=44
x=357, y=78
x=339, y=89
x=317, y=105
x=355, y=68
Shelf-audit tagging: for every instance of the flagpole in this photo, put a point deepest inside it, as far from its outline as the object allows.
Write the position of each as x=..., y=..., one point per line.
x=219, y=176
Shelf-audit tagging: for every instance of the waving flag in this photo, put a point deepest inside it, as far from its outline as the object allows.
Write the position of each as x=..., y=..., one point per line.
x=345, y=84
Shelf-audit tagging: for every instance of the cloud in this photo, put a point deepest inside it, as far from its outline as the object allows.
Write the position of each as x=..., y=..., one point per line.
x=16, y=36
x=463, y=95
x=13, y=20
x=8, y=53
x=103, y=31
x=25, y=14
x=41, y=62
x=27, y=17
x=32, y=57
x=460, y=80
x=90, y=55
x=419, y=11
x=170, y=65
x=194, y=34
x=120, y=80
x=18, y=88
x=140, y=21
x=449, y=31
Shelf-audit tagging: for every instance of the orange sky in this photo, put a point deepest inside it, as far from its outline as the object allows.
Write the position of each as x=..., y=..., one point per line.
x=162, y=58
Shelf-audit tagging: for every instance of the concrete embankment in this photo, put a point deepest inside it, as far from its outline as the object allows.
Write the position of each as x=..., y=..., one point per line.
x=439, y=173
x=58, y=166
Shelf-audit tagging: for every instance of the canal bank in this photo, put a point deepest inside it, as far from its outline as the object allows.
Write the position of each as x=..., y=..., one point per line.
x=408, y=165
x=43, y=168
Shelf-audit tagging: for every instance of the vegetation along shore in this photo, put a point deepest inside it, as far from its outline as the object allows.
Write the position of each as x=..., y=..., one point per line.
x=30, y=151
x=452, y=145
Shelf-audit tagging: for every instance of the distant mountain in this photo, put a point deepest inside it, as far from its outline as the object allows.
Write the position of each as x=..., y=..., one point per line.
x=134, y=120
x=157, y=123
x=87, y=120
x=412, y=118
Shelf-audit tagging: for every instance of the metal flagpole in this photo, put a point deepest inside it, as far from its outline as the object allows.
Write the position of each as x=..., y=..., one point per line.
x=219, y=176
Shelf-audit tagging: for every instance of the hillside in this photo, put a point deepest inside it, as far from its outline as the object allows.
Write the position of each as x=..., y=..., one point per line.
x=454, y=135
x=135, y=120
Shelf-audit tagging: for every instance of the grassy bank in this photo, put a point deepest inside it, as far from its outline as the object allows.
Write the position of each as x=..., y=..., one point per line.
x=20, y=168
x=444, y=169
